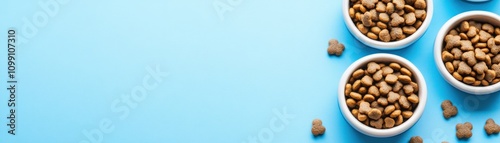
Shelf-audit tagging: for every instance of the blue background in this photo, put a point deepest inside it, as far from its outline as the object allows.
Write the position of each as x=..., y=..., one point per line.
x=226, y=77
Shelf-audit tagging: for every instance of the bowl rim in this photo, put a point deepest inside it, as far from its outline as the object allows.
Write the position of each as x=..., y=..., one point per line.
x=370, y=131
x=468, y=15
x=394, y=45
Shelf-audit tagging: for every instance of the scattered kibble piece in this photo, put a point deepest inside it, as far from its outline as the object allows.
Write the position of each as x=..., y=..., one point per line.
x=448, y=109
x=317, y=127
x=464, y=130
x=416, y=139
x=335, y=48
x=491, y=127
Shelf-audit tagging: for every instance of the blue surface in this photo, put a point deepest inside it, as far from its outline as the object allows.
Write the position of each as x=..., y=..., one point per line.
x=228, y=80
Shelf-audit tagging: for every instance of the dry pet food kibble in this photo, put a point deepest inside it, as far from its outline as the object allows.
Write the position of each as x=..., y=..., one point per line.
x=382, y=95
x=491, y=127
x=416, y=139
x=388, y=20
x=464, y=130
x=317, y=127
x=448, y=109
x=335, y=48
x=471, y=53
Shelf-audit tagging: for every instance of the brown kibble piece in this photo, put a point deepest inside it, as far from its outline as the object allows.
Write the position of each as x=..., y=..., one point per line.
x=384, y=88
x=389, y=8
x=408, y=89
x=374, y=114
x=317, y=127
x=372, y=67
x=449, y=110
x=358, y=74
x=466, y=45
x=366, y=19
x=413, y=98
x=480, y=67
x=491, y=127
x=351, y=103
x=389, y=122
x=464, y=69
x=356, y=96
x=369, y=98
x=464, y=26
x=397, y=86
x=392, y=97
x=490, y=75
x=452, y=41
x=469, y=57
x=377, y=124
x=484, y=36
x=457, y=53
x=404, y=79
x=364, y=107
x=380, y=7
x=420, y=4
x=495, y=49
x=469, y=80
x=405, y=71
x=389, y=109
x=410, y=18
x=334, y=47
x=362, y=117
x=383, y=17
x=407, y=114
x=369, y=3
x=362, y=28
x=472, y=32
x=391, y=78
x=373, y=90
x=488, y=28
x=480, y=55
x=375, y=30
x=416, y=139
x=447, y=56
x=396, y=20
x=366, y=80
x=464, y=130
x=409, y=30
x=372, y=35
x=449, y=67
x=395, y=113
x=496, y=68
x=403, y=102
x=384, y=35
x=381, y=25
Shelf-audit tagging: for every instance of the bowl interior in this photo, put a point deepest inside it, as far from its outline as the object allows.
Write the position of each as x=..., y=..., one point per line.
x=383, y=132
x=480, y=16
x=393, y=45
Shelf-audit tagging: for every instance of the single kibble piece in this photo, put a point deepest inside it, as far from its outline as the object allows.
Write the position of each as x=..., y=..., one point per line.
x=317, y=127
x=464, y=130
x=335, y=48
x=374, y=114
x=416, y=139
x=491, y=127
x=449, y=110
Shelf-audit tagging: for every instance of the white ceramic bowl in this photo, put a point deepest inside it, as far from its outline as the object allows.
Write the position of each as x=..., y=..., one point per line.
x=387, y=45
x=422, y=94
x=481, y=16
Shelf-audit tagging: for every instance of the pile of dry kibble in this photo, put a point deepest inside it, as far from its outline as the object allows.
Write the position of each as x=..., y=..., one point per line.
x=388, y=20
x=382, y=95
x=471, y=53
